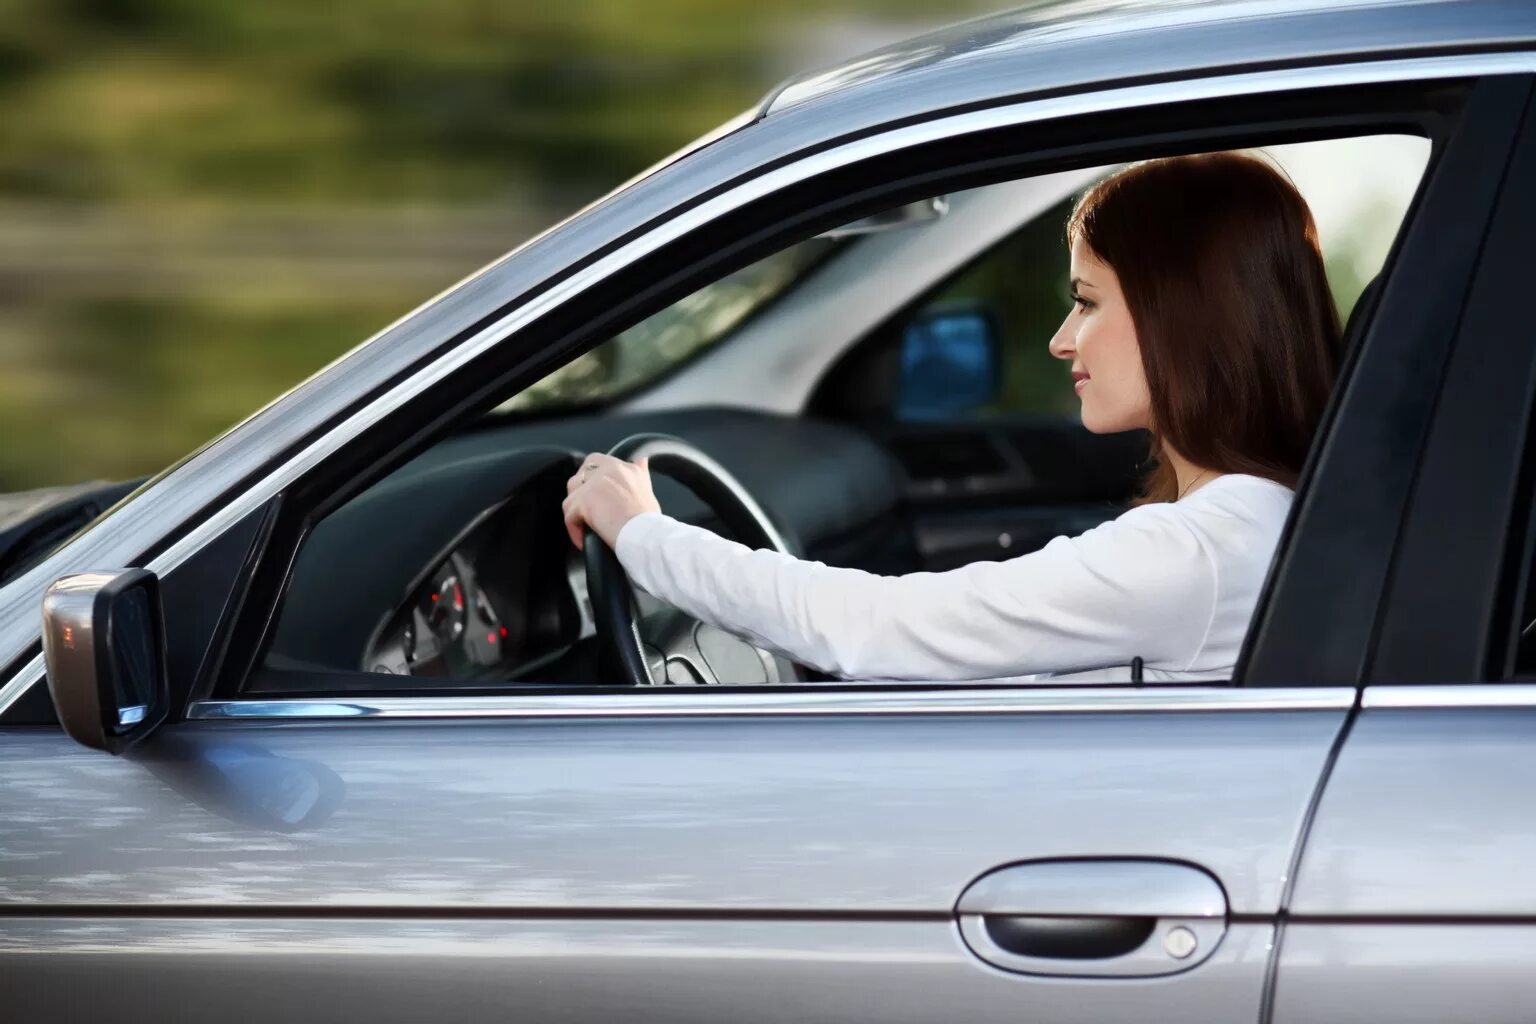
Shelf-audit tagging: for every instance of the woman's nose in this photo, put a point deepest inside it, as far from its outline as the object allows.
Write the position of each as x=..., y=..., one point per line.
x=1063, y=345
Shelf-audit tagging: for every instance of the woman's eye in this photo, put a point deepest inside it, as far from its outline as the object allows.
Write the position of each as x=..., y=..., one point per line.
x=1082, y=303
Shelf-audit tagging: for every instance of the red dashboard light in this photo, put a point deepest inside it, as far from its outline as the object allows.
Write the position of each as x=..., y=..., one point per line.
x=503, y=632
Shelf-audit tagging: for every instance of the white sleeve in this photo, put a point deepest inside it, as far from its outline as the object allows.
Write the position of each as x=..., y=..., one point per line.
x=1141, y=586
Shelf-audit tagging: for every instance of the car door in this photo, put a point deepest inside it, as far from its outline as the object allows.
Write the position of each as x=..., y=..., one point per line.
x=900, y=854
x=1047, y=855
x=1414, y=897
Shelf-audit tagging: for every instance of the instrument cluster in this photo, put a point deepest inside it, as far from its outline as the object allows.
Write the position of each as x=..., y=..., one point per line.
x=448, y=628
x=497, y=604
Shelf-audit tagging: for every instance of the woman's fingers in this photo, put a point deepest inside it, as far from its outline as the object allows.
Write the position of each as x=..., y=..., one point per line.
x=586, y=469
x=594, y=464
x=604, y=494
x=575, y=522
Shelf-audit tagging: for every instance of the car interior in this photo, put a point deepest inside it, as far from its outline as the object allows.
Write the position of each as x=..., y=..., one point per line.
x=922, y=429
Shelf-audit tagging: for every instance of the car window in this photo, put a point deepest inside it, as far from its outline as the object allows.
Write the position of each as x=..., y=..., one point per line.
x=456, y=570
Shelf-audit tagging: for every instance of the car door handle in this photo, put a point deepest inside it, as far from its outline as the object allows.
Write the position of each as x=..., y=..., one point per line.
x=1100, y=918
x=1069, y=938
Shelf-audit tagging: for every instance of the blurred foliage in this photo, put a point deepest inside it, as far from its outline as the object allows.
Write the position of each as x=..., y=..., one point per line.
x=148, y=146
x=453, y=100
x=204, y=201
x=126, y=380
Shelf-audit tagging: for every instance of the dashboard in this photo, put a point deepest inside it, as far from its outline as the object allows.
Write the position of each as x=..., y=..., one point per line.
x=460, y=571
x=455, y=569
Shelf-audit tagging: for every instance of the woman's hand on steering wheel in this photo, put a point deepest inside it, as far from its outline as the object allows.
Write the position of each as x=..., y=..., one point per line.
x=610, y=490
x=604, y=494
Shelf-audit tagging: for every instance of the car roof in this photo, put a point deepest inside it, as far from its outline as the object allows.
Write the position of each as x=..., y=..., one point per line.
x=1067, y=44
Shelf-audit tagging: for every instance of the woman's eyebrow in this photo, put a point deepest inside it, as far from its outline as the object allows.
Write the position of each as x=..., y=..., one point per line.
x=1078, y=282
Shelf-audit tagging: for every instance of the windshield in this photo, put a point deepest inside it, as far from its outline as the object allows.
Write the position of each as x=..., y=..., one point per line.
x=666, y=339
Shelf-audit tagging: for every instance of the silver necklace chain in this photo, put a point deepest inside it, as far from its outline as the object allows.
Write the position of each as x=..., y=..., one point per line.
x=1203, y=473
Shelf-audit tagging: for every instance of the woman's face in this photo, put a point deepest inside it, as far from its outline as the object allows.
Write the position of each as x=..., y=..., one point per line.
x=1099, y=340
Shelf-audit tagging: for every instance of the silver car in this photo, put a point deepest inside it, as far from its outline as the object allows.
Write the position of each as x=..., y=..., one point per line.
x=357, y=735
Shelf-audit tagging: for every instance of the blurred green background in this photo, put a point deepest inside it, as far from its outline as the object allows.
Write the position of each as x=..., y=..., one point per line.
x=203, y=201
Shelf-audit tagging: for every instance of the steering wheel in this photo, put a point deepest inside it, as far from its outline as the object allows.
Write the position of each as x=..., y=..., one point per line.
x=677, y=648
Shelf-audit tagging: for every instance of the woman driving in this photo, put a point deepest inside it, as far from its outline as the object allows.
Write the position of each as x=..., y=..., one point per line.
x=1201, y=313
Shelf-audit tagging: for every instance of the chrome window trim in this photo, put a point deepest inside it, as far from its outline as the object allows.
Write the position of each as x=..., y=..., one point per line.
x=21, y=682
x=944, y=127
x=1459, y=695
x=712, y=702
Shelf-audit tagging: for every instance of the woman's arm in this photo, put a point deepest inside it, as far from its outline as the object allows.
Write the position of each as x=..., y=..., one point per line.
x=1141, y=586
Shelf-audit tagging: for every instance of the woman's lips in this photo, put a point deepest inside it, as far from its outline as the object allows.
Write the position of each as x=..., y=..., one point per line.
x=1079, y=381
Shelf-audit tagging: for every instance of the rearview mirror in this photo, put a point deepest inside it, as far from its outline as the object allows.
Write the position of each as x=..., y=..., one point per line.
x=104, y=650
x=949, y=364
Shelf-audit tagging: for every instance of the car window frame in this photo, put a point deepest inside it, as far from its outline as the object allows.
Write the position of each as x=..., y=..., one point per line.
x=1095, y=158
x=1131, y=105
x=1461, y=576
x=1335, y=618
x=258, y=632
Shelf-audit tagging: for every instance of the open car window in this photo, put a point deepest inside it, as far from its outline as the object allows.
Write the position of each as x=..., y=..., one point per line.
x=455, y=572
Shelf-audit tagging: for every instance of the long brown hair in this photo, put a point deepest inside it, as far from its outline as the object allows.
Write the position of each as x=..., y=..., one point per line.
x=1217, y=256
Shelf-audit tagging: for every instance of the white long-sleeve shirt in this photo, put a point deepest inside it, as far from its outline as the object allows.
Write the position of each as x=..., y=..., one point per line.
x=1172, y=583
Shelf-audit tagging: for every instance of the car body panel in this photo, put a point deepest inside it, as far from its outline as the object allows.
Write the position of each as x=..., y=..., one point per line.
x=1406, y=973
x=784, y=866
x=1428, y=813
x=792, y=813
x=599, y=969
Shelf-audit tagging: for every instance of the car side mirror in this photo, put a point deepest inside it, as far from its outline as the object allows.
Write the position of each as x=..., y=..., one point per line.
x=104, y=650
x=950, y=364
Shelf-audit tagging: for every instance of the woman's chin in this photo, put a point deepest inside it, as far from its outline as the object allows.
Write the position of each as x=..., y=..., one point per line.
x=1096, y=422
